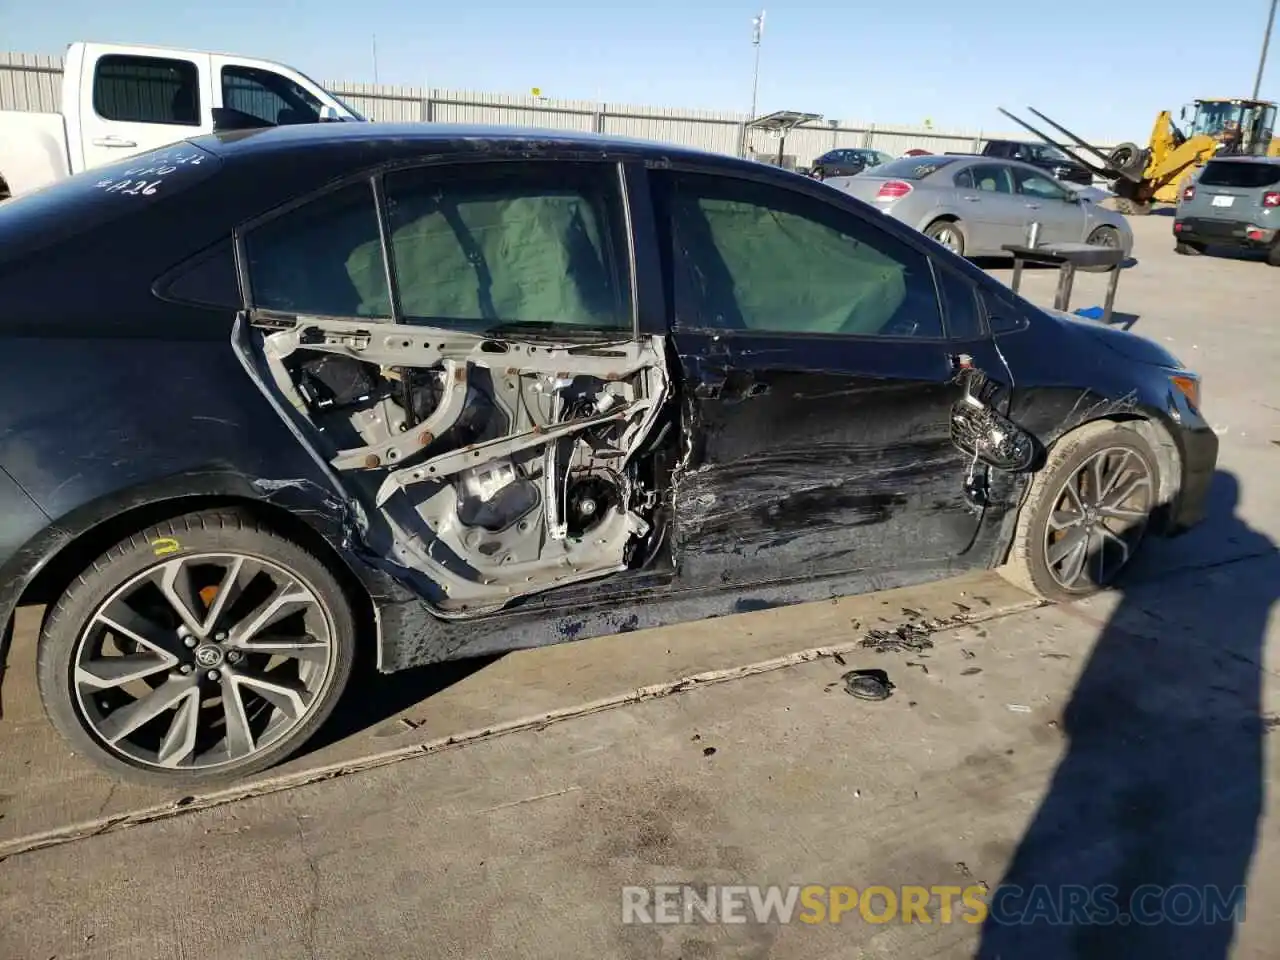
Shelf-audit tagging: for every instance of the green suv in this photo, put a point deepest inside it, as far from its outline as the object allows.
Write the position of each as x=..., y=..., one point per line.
x=1234, y=202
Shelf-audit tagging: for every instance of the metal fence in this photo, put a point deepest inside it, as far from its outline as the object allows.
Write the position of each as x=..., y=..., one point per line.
x=33, y=82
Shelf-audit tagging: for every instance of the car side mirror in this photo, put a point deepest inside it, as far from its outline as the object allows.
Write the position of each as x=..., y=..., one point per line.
x=980, y=432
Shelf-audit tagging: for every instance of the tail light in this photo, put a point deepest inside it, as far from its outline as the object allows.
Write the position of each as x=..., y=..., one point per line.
x=893, y=190
x=1188, y=193
x=1271, y=199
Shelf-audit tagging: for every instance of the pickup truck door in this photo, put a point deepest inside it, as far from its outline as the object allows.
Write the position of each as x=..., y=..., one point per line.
x=268, y=91
x=129, y=103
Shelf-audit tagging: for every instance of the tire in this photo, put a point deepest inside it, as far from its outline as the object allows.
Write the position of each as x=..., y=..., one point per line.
x=1188, y=248
x=947, y=228
x=1128, y=158
x=1072, y=459
x=1132, y=208
x=1273, y=254
x=1104, y=236
x=91, y=712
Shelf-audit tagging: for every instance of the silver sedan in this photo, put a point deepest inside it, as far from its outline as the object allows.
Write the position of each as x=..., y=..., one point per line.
x=975, y=205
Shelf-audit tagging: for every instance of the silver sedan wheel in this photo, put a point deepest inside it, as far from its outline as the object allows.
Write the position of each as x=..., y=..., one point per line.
x=948, y=236
x=203, y=660
x=1098, y=518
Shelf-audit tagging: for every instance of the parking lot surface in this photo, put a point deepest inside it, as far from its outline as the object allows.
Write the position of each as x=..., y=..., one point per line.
x=499, y=809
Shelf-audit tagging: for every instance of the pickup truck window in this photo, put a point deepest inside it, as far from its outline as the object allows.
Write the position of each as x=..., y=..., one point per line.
x=268, y=96
x=131, y=89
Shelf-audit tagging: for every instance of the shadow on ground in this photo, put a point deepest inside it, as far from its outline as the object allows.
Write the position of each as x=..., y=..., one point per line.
x=1143, y=842
x=1122, y=320
x=372, y=698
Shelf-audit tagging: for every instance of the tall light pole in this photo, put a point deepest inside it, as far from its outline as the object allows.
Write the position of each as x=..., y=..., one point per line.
x=1266, y=42
x=757, y=32
x=375, y=59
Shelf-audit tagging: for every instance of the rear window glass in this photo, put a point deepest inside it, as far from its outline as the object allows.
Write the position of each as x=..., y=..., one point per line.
x=912, y=168
x=68, y=208
x=1240, y=173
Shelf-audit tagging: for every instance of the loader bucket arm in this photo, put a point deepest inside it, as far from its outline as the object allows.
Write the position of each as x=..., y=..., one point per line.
x=1105, y=170
x=1190, y=153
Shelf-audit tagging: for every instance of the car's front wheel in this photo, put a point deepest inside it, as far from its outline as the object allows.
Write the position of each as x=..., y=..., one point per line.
x=1086, y=514
x=199, y=651
x=1188, y=249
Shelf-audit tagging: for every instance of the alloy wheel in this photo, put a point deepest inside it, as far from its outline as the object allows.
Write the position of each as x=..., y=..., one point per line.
x=949, y=237
x=203, y=660
x=1098, y=518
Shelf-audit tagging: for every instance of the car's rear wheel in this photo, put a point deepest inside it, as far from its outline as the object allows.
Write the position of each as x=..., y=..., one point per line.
x=1188, y=248
x=1273, y=255
x=196, y=652
x=1086, y=514
x=949, y=233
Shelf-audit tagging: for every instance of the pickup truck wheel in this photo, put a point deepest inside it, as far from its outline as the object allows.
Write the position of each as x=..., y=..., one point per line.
x=196, y=652
x=949, y=233
x=1188, y=248
x=1086, y=514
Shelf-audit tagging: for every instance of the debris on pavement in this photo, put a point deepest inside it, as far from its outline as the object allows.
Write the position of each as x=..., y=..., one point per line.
x=970, y=672
x=912, y=663
x=708, y=751
x=1018, y=707
x=912, y=637
x=838, y=659
x=868, y=684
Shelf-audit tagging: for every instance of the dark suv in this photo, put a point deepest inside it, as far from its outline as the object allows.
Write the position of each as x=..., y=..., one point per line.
x=272, y=398
x=1040, y=155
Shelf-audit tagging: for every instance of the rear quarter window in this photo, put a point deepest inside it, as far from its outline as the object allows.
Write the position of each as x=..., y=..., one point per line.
x=89, y=200
x=912, y=168
x=1240, y=173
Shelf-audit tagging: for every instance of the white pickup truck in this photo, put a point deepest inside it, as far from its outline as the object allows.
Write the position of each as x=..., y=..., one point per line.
x=120, y=100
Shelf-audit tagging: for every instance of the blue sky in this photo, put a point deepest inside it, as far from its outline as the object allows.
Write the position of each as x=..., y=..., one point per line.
x=1104, y=71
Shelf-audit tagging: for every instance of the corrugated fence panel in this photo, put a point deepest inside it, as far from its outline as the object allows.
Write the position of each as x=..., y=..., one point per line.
x=33, y=82
x=381, y=102
x=30, y=82
x=719, y=136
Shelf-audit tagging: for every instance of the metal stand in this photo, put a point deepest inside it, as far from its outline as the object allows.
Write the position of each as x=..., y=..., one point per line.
x=1068, y=258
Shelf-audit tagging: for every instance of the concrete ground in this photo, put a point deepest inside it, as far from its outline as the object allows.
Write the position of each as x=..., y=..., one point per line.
x=1118, y=741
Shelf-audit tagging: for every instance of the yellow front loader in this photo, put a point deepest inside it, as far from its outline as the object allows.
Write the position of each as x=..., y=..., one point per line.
x=1156, y=173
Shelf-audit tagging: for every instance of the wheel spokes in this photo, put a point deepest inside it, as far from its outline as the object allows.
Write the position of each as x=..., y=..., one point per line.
x=289, y=696
x=187, y=666
x=130, y=717
x=237, y=577
x=287, y=599
x=179, y=741
x=180, y=592
x=106, y=673
x=1112, y=486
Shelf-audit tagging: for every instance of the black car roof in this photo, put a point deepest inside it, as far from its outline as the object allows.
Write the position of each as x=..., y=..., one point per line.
x=447, y=138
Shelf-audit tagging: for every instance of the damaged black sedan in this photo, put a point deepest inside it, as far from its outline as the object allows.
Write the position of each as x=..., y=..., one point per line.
x=271, y=398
